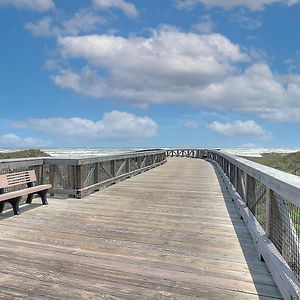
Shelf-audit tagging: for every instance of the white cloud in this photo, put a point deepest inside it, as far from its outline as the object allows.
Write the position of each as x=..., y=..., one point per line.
x=87, y=82
x=128, y=8
x=115, y=125
x=258, y=91
x=43, y=27
x=13, y=140
x=35, y=5
x=191, y=125
x=205, y=25
x=246, y=21
x=244, y=129
x=83, y=21
x=177, y=67
x=165, y=67
x=229, y=4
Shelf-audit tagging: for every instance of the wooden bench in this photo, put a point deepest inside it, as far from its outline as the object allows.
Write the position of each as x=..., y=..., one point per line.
x=18, y=179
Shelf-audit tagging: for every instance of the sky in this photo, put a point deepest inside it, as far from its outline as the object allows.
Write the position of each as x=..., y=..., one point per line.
x=159, y=73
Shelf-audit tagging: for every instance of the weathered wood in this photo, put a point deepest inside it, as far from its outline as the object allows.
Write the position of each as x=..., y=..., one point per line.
x=170, y=233
x=71, y=180
x=18, y=180
x=91, y=160
x=15, y=179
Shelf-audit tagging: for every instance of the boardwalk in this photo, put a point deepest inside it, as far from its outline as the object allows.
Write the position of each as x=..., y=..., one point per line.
x=170, y=233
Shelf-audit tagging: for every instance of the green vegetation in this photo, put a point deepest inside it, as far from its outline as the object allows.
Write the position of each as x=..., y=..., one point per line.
x=285, y=162
x=23, y=154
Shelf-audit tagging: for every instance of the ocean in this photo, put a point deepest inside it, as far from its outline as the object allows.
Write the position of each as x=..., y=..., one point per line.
x=88, y=152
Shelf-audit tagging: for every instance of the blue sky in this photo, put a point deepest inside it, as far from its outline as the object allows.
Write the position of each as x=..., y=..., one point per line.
x=150, y=73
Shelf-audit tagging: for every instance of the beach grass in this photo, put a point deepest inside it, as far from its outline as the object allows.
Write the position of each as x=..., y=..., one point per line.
x=23, y=154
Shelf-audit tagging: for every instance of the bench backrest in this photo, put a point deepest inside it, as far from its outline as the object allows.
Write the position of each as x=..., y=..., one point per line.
x=13, y=179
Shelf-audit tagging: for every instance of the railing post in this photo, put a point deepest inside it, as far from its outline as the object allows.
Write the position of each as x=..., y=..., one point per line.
x=139, y=162
x=268, y=212
x=127, y=166
x=79, y=179
x=71, y=179
x=96, y=173
x=236, y=174
x=52, y=177
x=246, y=189
x=112, y=168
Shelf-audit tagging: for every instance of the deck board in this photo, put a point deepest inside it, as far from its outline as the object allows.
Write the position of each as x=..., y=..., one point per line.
x=170, y=233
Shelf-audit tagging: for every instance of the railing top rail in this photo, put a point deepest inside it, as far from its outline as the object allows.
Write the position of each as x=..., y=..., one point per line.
x=285, y=184
x=90, y=160
x=190, y=148
x=20, y=162
x=35, y=161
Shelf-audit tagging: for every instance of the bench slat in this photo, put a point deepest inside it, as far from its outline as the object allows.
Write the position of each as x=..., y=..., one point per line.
x=13, y=179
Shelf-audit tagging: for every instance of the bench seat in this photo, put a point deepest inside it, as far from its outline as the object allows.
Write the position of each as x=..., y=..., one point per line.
x=24, y=192
x=18, y=180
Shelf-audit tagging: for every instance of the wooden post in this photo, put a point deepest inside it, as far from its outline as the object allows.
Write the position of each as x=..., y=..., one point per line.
x=71, y=180
x=112, y=168
x=139, y=161
x=268, y=212
x=127, y=166
x=96, y=173
x=246, y=189
x=236, y=175
x=39, y=174
x=79, y=179
x=52, y=177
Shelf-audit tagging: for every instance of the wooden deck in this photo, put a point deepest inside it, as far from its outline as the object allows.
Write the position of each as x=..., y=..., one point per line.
x=169, y=233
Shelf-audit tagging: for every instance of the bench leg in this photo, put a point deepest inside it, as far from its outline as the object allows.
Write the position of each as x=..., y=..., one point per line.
x=29, y=198
x=15, y=205
x=43, y=195
x=2, y=203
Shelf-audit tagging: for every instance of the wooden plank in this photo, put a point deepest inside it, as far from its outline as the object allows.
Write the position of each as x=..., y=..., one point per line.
x=169, y=233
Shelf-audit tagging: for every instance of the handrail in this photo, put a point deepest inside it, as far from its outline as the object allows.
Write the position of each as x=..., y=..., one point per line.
x=283, y=183
x=17, y=163
x=269, y=202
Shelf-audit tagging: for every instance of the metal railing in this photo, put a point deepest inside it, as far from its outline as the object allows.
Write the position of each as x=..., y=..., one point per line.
x=79, y=177
x=271, y=199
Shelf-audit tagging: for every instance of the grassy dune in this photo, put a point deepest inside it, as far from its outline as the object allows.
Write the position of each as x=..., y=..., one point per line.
x=285, y=162
x=23, y=154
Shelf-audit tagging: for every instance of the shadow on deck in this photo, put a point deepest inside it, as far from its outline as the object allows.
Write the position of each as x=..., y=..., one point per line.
x=262, y=286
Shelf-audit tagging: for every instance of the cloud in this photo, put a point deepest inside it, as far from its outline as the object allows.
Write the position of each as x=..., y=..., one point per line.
x=170, y=66
x=154, y=69
x=244, y=129
x=87, y=82
x=205, y=25
x=42, y=27
x=114, y=125
x=245, y=21
x=252, y=5
x=258, y=91
x=83, y=21
x=128, y=8
x=13, y=140
x=191, y=125
x=35, y=5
